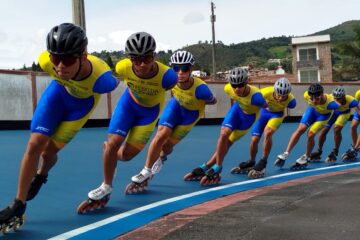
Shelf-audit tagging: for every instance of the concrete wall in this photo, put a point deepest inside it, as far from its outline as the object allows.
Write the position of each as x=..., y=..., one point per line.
x=20, y=91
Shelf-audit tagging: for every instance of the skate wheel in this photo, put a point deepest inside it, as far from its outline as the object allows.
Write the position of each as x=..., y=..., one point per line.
x=204, y=181
x=189, y=177
x=6, y=228
x=235, y=170
x=82, y=208
x=129, y=187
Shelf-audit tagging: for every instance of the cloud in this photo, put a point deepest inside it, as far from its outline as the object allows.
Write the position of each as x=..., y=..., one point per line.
x=193, y=17
x=162, y=46
x=119, y=37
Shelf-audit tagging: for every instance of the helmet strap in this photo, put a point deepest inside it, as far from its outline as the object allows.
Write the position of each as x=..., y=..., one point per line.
x=79, y=69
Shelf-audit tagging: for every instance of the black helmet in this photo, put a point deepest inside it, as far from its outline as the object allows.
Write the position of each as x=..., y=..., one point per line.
x=66, y=39
x=139, y=44
x=315, y=89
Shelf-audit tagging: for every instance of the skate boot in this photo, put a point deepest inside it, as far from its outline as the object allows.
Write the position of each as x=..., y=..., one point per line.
x=157, y=166
x=196, y=174
x=243, y=167
x=315, y=156
x=12, y=217
x=300, y=164
x=332, y=156
x=350, y=155
x=35, y=186
x=212, y=176
x=97, y=199
x=139, y=182
x=259, y=169
x=280, y=161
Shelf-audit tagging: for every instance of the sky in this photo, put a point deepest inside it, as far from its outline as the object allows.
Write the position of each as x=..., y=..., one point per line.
x=174, y=24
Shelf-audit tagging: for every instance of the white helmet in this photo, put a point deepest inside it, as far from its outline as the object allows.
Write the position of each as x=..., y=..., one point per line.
x=339, y=92
x=238, y=76
x=182, y=57
x=140, y=44
x=282, y=87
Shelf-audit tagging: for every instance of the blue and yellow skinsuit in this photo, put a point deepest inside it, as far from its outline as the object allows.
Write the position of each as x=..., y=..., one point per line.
x=356, y=115
x=244, y=111
x=65, y=106
x=317, y=116
x=342, y=114
x=138, y=109
x=274, y=114
x=185, y=108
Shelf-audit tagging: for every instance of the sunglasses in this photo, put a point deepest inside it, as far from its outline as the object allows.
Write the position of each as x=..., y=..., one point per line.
x=240, y=85
x=67, y=60
x=182, y=67
x=137, y=60
x=315, y=96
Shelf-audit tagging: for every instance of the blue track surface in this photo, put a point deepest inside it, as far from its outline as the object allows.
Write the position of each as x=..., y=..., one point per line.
x=79, y=170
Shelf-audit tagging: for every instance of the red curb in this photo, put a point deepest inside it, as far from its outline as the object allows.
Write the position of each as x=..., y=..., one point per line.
x=163, y=226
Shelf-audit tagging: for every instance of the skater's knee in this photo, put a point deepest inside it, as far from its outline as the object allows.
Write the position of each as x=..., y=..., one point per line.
x=126, y=156
x=311, y=135
x=337, y=130
x=255, y=140
x=127, y=153
x=49, y=157
x=268, y=133
x=112, y=145
x=35, y=147
x=301, y=130
x=160, y=139
x=224, y=134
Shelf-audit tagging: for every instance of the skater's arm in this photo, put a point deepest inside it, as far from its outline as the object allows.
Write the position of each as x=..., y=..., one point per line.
x=203, y=92
x=292, y=104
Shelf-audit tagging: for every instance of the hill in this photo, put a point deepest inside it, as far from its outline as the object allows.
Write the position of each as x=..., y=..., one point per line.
x=342, y=32
x=255, y=52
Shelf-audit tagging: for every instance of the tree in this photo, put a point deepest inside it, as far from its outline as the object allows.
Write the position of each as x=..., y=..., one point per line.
x=33, y=67
x=349, y=68
x=286, y=64
x=109, y=61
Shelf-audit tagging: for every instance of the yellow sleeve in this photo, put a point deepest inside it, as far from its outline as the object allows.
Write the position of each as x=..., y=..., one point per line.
x=45, y=63
x=306, y=95
x=357, y=95
x=122, y=66
x=227, y=88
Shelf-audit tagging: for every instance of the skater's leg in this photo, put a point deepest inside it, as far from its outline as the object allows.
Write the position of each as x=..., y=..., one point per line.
x=322, y=137
x=354, y=134
x=310, y=143
x=47, y=160
x=29, y=164
x=110, y=157
x=268, y=133
x=157, y=144
x=222, y=147
x=337, y=136
x=254, y=147
x=296, y=136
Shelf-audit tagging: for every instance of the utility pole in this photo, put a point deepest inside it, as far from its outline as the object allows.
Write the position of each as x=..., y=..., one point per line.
x=213, y=19
x=78, y=10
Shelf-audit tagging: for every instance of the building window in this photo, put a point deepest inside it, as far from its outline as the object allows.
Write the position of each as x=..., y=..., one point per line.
x=309, y=76
x=308, y=54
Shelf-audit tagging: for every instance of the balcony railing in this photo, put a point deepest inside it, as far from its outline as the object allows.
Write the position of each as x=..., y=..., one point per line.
x=308, y=63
